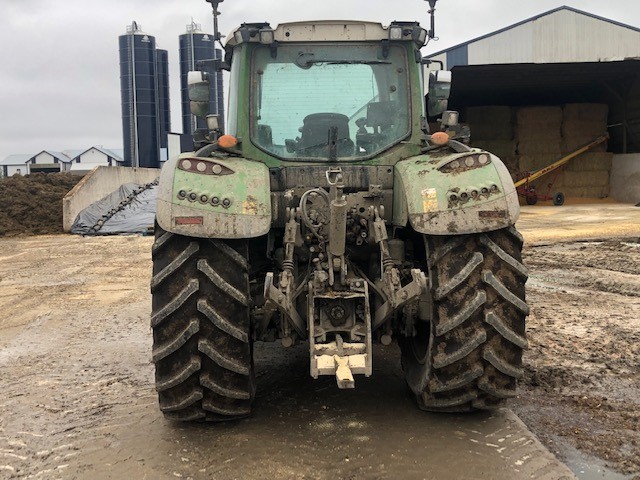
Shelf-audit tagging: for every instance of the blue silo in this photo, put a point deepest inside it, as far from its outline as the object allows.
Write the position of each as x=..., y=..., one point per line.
x=195, y=46
x=139, y=91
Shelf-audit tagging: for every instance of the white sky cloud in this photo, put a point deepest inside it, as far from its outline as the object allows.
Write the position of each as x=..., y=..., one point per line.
x=59, y=72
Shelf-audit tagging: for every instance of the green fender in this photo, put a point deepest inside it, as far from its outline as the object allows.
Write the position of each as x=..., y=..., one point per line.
x=437, y=199
x=192, y=194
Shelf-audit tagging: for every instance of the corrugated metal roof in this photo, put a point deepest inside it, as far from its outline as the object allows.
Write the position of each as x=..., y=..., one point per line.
x=113, y=153
x=17, y=159
x=59, y=155
x=73, y=153
x=118, y=152
x=533, y=19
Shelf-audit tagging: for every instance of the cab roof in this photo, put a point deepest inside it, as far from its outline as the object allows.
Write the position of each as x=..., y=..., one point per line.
x=322, y=31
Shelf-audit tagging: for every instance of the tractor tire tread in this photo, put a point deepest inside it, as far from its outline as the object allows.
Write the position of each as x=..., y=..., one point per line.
x=175, y=264
x=474, y=353
x=202, y=346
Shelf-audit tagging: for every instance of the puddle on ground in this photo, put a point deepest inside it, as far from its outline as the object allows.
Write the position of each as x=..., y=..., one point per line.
x=586, y=467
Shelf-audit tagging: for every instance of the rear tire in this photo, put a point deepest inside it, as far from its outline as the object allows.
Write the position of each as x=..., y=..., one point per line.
x=202, y=343
x=469, y=355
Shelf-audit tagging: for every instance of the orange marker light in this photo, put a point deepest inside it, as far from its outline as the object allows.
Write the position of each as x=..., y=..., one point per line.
x=440, y=138
x=227, y=141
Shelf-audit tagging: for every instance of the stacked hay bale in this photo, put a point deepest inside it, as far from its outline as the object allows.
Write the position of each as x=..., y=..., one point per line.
x=539, y=137
x=588, y=174
x=530, y=138
x=546, y=134
x=492, y=130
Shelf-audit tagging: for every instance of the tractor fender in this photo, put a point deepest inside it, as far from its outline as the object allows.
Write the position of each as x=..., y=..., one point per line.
x=437, y=199
x=214, y=197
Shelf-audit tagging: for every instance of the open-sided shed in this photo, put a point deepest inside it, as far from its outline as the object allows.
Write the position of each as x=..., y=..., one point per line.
x=538, y=88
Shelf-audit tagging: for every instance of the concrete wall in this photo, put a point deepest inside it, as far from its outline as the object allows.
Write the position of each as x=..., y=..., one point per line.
x=625, y=178
x=98, y=184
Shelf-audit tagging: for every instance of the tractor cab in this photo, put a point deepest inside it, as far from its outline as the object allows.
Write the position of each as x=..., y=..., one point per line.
x=325, y=91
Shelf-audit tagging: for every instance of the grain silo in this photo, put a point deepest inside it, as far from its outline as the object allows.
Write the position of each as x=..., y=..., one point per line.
x=197, y=46
x=139, y=91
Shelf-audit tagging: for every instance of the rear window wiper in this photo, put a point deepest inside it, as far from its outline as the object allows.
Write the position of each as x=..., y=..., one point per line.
x=307, y=63
x=353, y=62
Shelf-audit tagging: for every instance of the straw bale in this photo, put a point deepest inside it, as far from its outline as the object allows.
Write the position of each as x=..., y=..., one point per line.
x=590, y=162
x=550, y=183
x=526, y=163
x=593, y=178
x=531, y=163
x=586, y=192
x=534, y=116
x=490, y=123
x=539, y=132
x=559, y=182
x=489, y=132
x=495, y=115
x=583, y=128
x=512, y=162
x=541, y=135
x=541, y=146
x=575, y=142
x=501, y=148
x=575, y=192
x=580, y=112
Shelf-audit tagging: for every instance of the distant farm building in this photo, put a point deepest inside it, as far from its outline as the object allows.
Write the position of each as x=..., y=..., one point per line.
x=74, y=161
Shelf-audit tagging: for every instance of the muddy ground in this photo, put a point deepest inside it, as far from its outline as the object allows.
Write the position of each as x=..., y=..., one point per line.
x=582, y=383
x=77, y=396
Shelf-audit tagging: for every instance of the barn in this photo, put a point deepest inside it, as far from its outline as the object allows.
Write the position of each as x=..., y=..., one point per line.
x=538, y=90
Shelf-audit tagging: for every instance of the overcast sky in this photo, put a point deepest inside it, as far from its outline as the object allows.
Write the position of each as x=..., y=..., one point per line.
x=59, y=72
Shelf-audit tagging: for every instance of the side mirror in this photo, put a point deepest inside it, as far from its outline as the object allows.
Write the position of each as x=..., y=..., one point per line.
x=199, y=93
x=439, y=89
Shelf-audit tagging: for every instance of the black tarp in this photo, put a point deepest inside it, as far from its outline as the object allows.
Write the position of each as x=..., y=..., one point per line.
x=130, y=209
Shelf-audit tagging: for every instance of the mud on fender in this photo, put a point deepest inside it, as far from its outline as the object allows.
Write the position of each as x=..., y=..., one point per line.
x=445, y=201
x=214, y=197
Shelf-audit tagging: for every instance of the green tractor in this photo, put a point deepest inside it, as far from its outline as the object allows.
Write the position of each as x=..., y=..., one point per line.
x=329, y=214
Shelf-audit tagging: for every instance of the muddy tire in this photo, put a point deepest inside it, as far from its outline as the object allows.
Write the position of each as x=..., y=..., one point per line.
x=469, y=356
x=202, y=345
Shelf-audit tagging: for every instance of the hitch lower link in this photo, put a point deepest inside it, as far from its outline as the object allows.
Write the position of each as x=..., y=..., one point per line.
x=339, y=322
